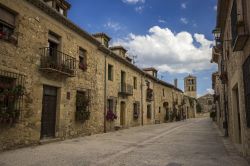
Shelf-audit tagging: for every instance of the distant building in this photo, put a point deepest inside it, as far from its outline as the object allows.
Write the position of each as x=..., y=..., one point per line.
x=206, y=102
x=190, y=86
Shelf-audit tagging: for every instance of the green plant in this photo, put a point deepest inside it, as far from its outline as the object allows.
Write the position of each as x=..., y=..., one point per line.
x=18, y=90
x=82, y=103
x=198, y=108
x=213, y=115
x=82, y=115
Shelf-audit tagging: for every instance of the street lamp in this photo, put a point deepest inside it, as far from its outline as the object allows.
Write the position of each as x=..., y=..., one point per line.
x=217, y=35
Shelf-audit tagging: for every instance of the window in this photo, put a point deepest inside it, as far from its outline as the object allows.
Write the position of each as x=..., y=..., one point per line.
x=82, y=106
x=209, y=102
x=7, y=24
x=11, y=92
x=135, y=83
x=149, y=111
x=159, y=109
x=106, y=43
x=60, y=10
x=82, y=59
x=110, y=105
x=110, y=72
x=136, y=110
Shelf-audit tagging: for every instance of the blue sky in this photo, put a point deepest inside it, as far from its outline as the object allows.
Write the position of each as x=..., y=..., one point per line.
x=177, y=33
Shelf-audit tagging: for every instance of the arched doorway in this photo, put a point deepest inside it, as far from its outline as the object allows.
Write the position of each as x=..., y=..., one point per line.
x=122, y=113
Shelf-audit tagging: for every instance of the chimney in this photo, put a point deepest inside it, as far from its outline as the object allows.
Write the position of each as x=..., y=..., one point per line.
x=103, y=38
x=119, y=50
x=176, y=83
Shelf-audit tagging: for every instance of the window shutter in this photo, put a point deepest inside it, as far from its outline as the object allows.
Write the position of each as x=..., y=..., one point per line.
x=246, y=78
x=7, y=17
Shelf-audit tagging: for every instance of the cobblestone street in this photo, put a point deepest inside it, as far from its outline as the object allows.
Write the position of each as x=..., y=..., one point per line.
x=193, y=142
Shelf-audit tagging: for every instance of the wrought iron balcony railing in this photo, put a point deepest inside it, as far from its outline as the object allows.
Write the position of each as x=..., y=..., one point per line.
x=53, y=60
x=125, y=89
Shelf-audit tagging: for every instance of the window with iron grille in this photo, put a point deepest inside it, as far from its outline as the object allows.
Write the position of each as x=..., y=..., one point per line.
x=246, y=78
x=82, y=105
x=11, y=96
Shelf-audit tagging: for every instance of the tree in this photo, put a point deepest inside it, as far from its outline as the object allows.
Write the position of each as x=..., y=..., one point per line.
x=198, y=108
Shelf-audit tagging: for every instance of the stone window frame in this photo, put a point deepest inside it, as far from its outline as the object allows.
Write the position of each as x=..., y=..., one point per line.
x=111, y=104
x=110, y=72
x=136, y=110
x=149, y=111
x=82, y=58
x=135, y=82
x=8, y=21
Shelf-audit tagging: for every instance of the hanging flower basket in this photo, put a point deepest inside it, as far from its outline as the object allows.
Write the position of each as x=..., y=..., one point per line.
x=82, y=66
x=111, y=116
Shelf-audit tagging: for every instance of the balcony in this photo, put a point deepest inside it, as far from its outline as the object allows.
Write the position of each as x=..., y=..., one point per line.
x=224, y=77
x=53, y=60
x=125, y=89
x=150, y=95
x=239, y=29
x=215, y=54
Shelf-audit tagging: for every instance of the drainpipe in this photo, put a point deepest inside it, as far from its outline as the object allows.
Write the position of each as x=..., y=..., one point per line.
x=142, y=100
x=225, y=112
x=105, y=93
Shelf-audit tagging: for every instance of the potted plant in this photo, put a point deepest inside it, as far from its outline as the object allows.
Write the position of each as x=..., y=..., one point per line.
x=110, y=115
x=82, y=66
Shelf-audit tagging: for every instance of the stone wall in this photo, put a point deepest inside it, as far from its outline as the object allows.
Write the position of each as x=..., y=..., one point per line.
x=32, y=28
x=233, y=61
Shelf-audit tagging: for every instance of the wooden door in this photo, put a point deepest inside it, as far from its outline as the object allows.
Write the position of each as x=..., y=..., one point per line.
x=122, y=114
x=49, y=112
x=246, y=78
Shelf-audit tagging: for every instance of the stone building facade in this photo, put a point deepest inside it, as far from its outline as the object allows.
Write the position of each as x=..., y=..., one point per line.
x=231, y=82
x=206, y=102
x=58, y=81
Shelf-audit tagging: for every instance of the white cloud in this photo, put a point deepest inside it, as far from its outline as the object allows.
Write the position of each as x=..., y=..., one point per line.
x=168, y=51
x=183, y=5
x=113, y=25
x=184, y=20
x=210, y=91
x=133, y=1
x=139, y=9
x=161, y=21
x=215, y=7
